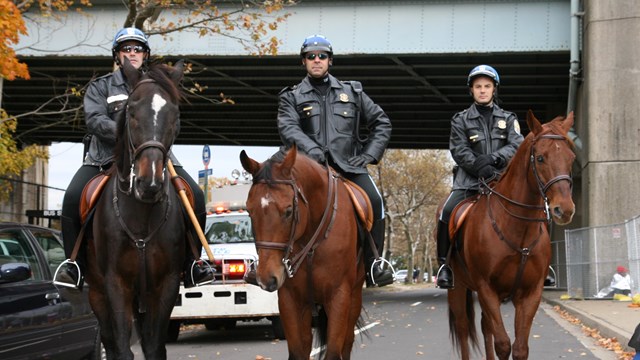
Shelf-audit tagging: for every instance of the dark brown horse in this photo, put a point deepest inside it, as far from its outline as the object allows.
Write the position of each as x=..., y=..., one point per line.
x=136, y=244
x=306, y=236
x=502, y=250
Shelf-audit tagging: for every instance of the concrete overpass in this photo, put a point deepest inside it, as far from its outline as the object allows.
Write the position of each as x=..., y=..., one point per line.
x=412, y=57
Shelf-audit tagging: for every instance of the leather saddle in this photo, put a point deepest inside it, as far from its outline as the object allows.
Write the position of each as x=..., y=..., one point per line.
x=459, y=214
x=92, y=191
x=361, y=203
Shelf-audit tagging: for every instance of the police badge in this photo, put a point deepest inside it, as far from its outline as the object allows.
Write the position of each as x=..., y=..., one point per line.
x=502, y=124
x=344, y=97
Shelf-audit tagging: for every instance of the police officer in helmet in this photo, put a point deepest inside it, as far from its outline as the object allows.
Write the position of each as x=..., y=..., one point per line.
x=483, y=139
x=321, y=116
x=104, y=101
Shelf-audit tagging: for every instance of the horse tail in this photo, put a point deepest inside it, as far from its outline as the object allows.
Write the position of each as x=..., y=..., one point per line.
x=458, y=336
x=321, y=323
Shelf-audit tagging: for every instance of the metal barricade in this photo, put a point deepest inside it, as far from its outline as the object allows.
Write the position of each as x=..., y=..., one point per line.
x=594, y=253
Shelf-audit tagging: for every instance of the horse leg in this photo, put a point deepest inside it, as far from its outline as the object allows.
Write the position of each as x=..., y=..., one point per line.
x=153, y=323
x=295, y=313
x=120, y=306
x=354, y=314
x=100, y=309
x=338, y=310
x=526, y=308
x=487, y=332
x=460, y=316
x=491, y=308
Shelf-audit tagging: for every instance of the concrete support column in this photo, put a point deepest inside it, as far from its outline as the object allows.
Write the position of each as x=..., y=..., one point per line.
x=611, y=109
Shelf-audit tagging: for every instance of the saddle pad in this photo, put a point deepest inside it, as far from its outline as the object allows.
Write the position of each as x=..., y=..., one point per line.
x=361, y=203
x=91, y=194
x=459, y=214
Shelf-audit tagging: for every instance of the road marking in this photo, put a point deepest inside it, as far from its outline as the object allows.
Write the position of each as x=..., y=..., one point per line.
x=316, y=351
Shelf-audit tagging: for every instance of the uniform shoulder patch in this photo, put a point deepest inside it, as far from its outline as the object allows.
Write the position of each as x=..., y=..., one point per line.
x=516, y=126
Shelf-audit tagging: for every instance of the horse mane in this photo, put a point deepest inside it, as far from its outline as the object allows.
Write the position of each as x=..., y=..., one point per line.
x=160, y=72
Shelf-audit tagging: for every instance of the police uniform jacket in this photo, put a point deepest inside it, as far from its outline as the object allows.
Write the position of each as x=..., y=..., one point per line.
x=331, y=122
x=104, y=101
x=472, y=136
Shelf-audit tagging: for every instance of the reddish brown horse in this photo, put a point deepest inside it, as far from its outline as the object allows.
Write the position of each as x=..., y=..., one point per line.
x=502, y=249
x=306, y=236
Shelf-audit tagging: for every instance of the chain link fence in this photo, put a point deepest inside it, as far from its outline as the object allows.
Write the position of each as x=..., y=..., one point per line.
x=594, y=253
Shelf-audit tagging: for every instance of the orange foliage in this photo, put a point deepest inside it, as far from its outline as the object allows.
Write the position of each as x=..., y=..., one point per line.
x=11, y=26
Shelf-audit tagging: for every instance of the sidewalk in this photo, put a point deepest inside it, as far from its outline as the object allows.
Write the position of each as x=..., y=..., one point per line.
x=612, y=318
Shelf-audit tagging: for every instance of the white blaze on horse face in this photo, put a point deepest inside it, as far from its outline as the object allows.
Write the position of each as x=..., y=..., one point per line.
x=264, y=201
x=157, y=104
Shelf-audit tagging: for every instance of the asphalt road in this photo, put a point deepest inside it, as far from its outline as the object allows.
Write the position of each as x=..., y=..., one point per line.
x=403, y=323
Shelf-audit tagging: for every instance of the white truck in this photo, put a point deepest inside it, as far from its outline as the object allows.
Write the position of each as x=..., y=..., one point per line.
x=229, y=298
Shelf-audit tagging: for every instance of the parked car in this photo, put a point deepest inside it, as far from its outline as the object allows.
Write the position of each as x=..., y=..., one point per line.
x=401, y=275
x=37, y=319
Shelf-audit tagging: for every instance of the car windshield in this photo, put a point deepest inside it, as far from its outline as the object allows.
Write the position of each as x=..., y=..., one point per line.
x=229, y=229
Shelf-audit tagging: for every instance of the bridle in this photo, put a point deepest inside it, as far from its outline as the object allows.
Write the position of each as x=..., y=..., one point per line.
x=542, y=187
x=134, y=151
x=292, y=263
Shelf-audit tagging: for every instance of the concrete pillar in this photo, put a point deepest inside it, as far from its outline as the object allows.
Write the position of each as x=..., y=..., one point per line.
x=611, y=109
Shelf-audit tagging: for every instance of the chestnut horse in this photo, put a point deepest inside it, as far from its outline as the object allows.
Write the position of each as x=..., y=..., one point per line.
x=502, y=248
x=136, y=245
x=308, y=250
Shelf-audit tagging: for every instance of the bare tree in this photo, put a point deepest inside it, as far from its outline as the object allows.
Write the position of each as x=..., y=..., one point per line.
x=412, y=183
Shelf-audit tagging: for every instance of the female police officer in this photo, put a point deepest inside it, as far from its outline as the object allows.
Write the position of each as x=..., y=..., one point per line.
x=483, y=139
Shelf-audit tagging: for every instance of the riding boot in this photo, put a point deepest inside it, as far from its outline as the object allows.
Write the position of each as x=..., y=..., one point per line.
x=445, y=273
x=550, y=280
x=377, y=274
x=69, y=274
x=197, y=271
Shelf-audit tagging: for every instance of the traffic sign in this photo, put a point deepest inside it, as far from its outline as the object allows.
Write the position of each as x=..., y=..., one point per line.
x=206, y=155
x=206, y=172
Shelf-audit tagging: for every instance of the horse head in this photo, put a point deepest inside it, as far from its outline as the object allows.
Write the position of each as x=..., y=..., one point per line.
x=551, y=157
x=279, y=213
x=148, y=130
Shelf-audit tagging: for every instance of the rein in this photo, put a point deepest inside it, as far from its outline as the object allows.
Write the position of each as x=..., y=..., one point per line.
x=293, y=264
x=525, y=252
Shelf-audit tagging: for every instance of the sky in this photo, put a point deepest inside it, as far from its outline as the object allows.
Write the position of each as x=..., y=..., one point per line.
x=66, y=158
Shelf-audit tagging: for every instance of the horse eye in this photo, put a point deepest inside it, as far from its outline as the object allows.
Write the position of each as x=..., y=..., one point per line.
x=288, y=211
x=540, y=158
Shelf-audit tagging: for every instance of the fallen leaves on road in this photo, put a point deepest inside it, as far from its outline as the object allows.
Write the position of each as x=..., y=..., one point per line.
x=610, y=344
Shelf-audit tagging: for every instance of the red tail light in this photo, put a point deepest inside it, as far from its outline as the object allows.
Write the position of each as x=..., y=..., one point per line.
x=234, y=269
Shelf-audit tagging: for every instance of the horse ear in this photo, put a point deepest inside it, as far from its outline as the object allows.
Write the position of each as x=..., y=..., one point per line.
x=132, y=74
x=249, y=164
x=289, y=160
x=178, y=73
x=567, y=123
x=533, y=123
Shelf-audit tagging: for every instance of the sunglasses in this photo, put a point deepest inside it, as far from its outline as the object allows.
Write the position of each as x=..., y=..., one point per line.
x=135, y=48
x=321, y=56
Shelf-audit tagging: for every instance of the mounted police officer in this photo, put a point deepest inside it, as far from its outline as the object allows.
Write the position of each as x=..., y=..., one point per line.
x=104, y=101
x=483, y=140
x=321, y=116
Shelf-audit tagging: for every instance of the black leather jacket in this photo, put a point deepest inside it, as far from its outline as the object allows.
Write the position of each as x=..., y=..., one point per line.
x=105, y=99
x=471, y=136
x=331, y=122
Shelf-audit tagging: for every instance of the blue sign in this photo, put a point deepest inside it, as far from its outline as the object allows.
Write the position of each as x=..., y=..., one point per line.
x=203, y=173
x=206, y=155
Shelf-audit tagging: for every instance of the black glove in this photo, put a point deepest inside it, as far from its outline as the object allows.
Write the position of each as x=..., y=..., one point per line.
x=361, y=160
x=482, y=161
x=487, y=172
x=317, y=155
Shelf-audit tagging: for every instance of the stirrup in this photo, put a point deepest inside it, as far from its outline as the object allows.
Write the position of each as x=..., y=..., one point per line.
x=442, y=268
x=66, y=284
x=193, y=266
x=381, y=260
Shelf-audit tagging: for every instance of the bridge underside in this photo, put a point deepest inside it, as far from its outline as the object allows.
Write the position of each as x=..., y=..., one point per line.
x=419, y=92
